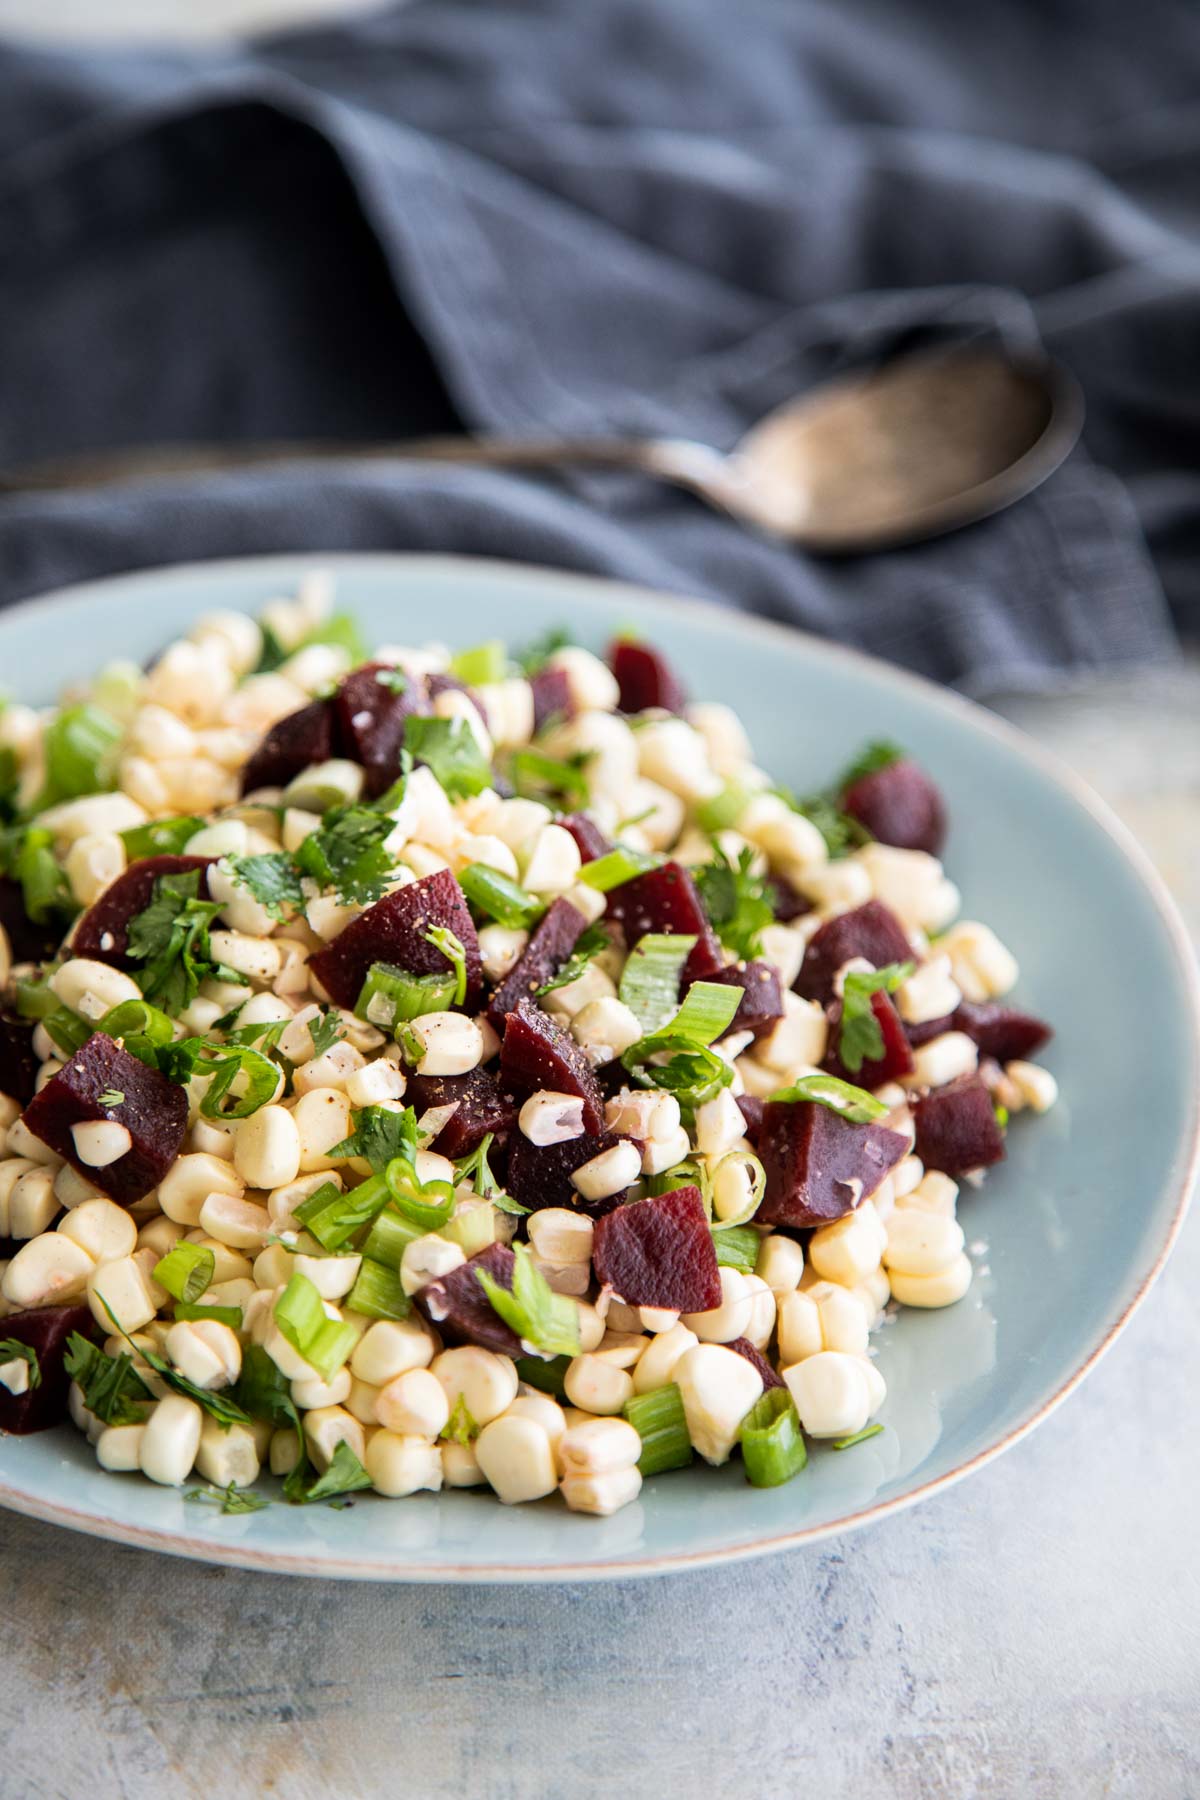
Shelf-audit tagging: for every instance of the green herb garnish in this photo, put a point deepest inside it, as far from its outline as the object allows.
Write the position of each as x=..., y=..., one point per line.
x=736, y=900
x=231, y=1499
x=13, y=1350
x=541, y=1318
x=860, y=1035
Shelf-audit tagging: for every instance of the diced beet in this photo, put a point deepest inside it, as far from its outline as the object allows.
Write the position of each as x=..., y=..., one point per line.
x=46, y=1330
x=771, y=1378
x=537, y=1053
x=554, y=937
x=897, y=1058
x=871, y=931
x=292, y=745
x=18, y=1064
x=751, y=1109
x=659, y=1252
x=27, y=941
x=458, y=1307
x=153, y=1110
x=928, y=1030
x=370, y=719
x=957, y=1128
x=762, y=1004
x=482, y=1106
x=667, y=900
x=1004, y=1032
x=819, y=1165
x=103, y=931
x=588, y=836
x=394, y=931
x=645, y=678
x=551, y=697
x=899, y=805
x=788, y=902
x=540, y=1174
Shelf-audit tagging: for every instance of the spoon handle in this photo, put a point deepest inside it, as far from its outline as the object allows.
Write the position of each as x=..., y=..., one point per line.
x=690, y=465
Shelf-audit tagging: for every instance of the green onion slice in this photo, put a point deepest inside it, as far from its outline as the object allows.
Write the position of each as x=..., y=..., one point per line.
x=300, y=1315
x=499, y=896
x=858, y=1437
x=659, y=1420
x=617, y=867
x=650, y=979
x=378, y=1293
x=854, y=1103
x=186, y=1271
x=481, y=664
x=758, y=1187
x=391, y=996
x=773, y=1448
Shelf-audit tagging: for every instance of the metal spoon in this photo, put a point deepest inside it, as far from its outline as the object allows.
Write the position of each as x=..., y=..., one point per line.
x=883, y=456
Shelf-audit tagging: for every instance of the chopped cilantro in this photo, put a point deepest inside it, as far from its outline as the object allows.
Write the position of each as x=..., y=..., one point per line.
x=231, y=1499
x=171, y=939
x=380, y=1135
x=340, y=629
x=219, y=1406
x=842, y=834
x=542, y=649
x=111, y=1097
x=348, y=852
x=325, y=1030
x=451, y=750
x=111, y=1387
x=860, y=1035
x=345, y=1475
x=869, y=761
x=274, y=881
x=536, y=776
x=736, y=900
x=589, y=945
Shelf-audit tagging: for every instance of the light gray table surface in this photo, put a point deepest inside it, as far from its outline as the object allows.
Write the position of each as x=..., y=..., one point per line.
x=1033, y=1633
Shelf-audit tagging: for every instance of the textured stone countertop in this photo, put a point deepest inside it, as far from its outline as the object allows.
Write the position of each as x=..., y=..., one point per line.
x=1035, y=1632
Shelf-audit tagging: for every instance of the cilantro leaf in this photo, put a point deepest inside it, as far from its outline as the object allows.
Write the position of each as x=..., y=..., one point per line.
x=219, y=1406
x=348, y=852
x=380, y=1135
x=451, y=750
x=325, y=1031
x=588, y=946
x=860, y=1035
x=339, y=629
x=231, y=1499
x=872, y=758
x=112, y=1388
x=541, y=1318
x=171, y=938
x=736, y=900
x=842, y=834
x=274, y=881
x=538, y=654
x=345, y=1475
x=13, y=1350
x=536, y=776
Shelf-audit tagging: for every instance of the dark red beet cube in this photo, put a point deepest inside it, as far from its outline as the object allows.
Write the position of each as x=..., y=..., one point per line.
x=930, y=1029
x=371, y=716
x=588, y=835
x=458, y=1307
x=645, y=678
x=751, y=1109
x=762, y=1003
x=957, y=1128
x=667, y=900
x=899, y=805
x=551, y=697
x=292, y=745
x=540, y=1175
x=46, y=1330
x=1003, y=1032
x=394, y=931
x=103, y=931
x=787, y=902
x=153, y=1110
x=897, y=1058
x=481, y=1106
x=537, y=1053
x=871, y=931
x=18, y=1064
x=553, y=939
x=771, y=1378
x=659, y=1252
x=27, y=941
x=819, y=1165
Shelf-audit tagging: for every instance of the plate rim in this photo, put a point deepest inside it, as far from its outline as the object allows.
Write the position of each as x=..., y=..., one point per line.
x=343, y=1566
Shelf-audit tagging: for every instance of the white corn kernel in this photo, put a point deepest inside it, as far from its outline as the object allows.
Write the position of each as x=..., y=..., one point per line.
x=1036, y=1085
x=188, y=1183
x=119, y=1448
x=427, y=1259
x=719, y=1124
x=554, y=862
x=599, y=1447
x=118, y=1290
x=718, y=1387
x=332, y=1276
x=563, y=1003
x=943, y=1059
x=762, y=1312
x=783, y=948
x=930, y=992
x=674, y=756
x=228, y=1457
x=451, y=1043
x=238, y=1223
x=32, y=1203
x=311, y=1396
x=604, y=1029
x=99, y=1142
x=561, y=1236
x=850, y=1248
x=389, y=1348
x=834, y=886
x=662, y=1153
x=91, y=988
x=327, y=1427
x=596, y=1385
x=399, y=1466
x=532, y=1404
x=234, y=635
x=266, y=1148
x=721, y=1324
x=983, y=968
x=609, y=1173
x=942, y=1288
x=780, y=1263
x=92, y=863
x=501, y=948
x=551, y=1118
x=642, y=1113
x=205, y=1351
x=602, y=1495
x=732, y=1187
x=171, y=1440
x=591, y=684
x=800, y=1037
x=656, y=1365
x=459, y=1466
x=103, y=1229
x=920, y=1242
x=486, y=1383
x=375, y=1082
x=834, y=1393
x=47, y=1270
x=413, y=1404
x=907, y=1175
x=934, y=1192
x=517, y=1458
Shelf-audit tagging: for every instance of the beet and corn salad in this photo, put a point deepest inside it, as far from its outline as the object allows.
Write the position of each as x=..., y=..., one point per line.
x=431, y=1070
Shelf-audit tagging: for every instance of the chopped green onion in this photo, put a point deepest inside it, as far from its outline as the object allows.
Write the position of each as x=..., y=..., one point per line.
x=452, y=949
x=536, y=776
x=461, y=1427
x=427, y=1204
x=378, y=1293
x=389, y=1238
x=186, y=1271
x=649, y=984
x=541, y=1318
x=161, y=837
x=333, y=1217
x=853, y=1103
x=858, y=1437
x=15, y=1350
x=78, y=748
x=758, y=1187
x=221, y=1315
x=35, y=999
x=43, y=885
x=390, y=996
x=68, y=1030
x=693, y=1072
x=692, y=1172
x=300, y=1315
x=773, y=1447
x=616, y=867
x=481, y=664
x=137, y=1019
x=723, y=809
x=451, y=750
x=547, y=1377
x=499, y=897
x=259, y=1075
x=659, y=1420
x=737, y=1247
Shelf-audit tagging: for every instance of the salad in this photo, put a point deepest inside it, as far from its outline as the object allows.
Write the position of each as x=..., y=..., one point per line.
x=428, y=1069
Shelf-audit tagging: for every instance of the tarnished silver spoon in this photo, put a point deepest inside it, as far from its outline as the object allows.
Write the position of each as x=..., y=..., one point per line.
x=883, y=456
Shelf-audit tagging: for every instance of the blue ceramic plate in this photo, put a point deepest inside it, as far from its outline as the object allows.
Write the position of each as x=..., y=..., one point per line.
x=1068, y=1234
